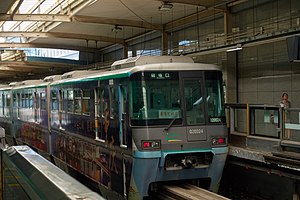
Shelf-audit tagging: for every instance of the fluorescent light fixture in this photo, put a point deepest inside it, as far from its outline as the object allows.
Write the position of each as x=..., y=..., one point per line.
x=90, y=4
x=165, y=6
x=236, y=48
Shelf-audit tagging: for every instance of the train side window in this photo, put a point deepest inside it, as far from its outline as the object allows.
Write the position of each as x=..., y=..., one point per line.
x=43, y=101
x=77, y=101
x=65, y=100
x=36, y=101
x=86, y=107
x=30, y=100
x=123, y=115
x=36, y=105
x=19, y=104
x=2, y=104
x=15, y=101
x=26, y=100
x=23, y=100
x=8, y=104
x=7, y=98
x=194, y=102
x=54, y=101
x=70, y=98
x=104, y=100
x=114, y=102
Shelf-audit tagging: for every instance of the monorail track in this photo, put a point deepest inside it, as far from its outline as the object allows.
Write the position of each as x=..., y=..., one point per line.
x=186, y=192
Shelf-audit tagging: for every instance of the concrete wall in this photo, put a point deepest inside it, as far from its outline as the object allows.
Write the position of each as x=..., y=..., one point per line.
x=265, y=73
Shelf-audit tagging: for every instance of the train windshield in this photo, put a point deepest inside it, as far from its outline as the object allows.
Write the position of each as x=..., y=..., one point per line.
x=155, y=99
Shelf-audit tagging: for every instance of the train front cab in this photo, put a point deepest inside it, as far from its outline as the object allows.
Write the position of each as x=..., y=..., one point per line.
x=178, y=129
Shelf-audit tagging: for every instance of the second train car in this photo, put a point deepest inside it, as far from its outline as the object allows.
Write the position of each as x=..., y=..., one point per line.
x=147, y=121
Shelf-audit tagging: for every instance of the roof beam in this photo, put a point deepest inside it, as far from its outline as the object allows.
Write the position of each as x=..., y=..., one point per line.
x=17, y=8
x=37, y=64
x=113, y=21
x=192, y=18
x=60, y=35
x=46, y=45
x=35, y=17
x=203, y=3
x=24, y=65
x=79, y=18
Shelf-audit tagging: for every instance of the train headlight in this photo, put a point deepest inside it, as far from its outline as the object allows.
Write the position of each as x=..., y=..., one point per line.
x=151, y=144
x=218, y=141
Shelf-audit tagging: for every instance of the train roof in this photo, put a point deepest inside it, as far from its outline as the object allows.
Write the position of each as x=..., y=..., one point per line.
x=76, y=73
x=145, y=60
x=4, y=87
x=34, y=83
x=146, y=63
x=52, y=78
x=27, y=84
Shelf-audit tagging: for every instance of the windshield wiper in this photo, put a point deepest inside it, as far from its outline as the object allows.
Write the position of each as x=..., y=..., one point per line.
x=171, y=123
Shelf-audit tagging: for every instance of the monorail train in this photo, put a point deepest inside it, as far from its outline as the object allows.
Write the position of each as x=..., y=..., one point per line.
x=146, y=121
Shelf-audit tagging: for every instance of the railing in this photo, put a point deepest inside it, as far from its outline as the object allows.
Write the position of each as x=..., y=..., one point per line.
x=262, y=29
x=249, y=124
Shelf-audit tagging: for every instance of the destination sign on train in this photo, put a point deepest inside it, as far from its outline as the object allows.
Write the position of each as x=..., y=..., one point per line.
x=160, y=75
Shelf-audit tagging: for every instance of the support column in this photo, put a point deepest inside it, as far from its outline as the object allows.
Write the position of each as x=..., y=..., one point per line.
x=227, y=21
x=164, y=42
x=232, y=78
x=125, y=50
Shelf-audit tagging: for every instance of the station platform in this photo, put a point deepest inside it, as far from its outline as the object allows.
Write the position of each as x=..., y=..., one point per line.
x=259, y=138
x=27, y=175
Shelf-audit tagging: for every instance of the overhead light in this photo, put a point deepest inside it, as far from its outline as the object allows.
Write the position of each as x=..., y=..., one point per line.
x=165, y=6
x=91, y=3
x=116, y=29
x=236, y=48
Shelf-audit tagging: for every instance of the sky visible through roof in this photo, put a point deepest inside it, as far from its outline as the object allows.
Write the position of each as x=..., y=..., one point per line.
x=37, y=7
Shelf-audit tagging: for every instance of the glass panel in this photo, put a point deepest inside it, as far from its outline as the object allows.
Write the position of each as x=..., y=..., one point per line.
x=15, y=100
x=23, y=101
x=26, y=99
x=266, y=123
x=70, y=96
x=2, y=104
x=104, y=100
x=7, y=100
x=30, y=100
x=2, y=100
x=194, y=102
x=114, y=109
x=292, y=124
x=77, y=106
x=43, y=101
x=123, y=103
x=215, y=97
x=77, y=101
x=54, y=101
x=155, y=98
x=86, y=107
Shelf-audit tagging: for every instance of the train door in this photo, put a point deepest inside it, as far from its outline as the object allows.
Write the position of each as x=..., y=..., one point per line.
x=194, y=101
x=123, y=115
x=36, y=107
x=122, y=90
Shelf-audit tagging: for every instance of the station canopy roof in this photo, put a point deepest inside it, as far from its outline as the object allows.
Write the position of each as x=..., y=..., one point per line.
x=87, y=25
